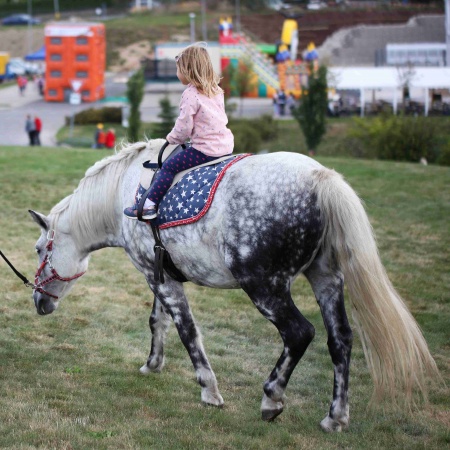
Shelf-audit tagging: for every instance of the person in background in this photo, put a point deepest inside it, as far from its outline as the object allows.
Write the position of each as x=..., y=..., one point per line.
x=99, y=137
x=110, y=139
x=30, y=128
x=276, y=111
x=281, y=101
x=40, y=84
x=291, y=103
x=22, y=84
x=37, y=132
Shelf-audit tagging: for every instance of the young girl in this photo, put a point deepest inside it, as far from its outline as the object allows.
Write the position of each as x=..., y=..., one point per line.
x=202, y=119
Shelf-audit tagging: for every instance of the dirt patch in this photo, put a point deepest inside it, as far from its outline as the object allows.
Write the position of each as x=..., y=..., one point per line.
x=129, y=57
x=18, y=42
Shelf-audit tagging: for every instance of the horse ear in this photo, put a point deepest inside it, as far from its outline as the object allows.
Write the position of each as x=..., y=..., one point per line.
x=40, y=219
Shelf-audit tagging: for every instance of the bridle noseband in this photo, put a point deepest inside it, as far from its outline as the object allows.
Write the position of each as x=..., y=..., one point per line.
x=54, y=276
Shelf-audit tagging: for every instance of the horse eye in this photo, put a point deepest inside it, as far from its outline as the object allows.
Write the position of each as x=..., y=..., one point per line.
x=37, y=250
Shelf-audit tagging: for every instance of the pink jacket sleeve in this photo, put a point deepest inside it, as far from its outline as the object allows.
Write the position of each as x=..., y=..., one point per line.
x=185, y=123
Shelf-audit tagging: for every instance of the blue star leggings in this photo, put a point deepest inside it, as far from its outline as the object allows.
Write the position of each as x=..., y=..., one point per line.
x=189, y=157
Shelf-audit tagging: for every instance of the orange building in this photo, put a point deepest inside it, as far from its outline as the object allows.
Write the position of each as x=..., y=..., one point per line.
x=75, y=61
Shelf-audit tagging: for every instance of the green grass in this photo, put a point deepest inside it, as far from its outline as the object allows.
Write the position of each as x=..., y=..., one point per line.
x=70, y=380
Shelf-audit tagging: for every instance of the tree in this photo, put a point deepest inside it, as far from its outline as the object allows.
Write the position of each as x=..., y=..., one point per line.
x=167, y=116
x=135, y=94
x=311, y=112
x=244, y=79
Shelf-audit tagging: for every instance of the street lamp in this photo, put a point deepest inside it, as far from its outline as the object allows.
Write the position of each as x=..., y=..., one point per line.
x=204, y=31
x=238, y=16
x=192, y=20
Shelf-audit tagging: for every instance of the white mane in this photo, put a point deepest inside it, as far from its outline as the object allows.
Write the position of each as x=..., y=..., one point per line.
x=89, y=210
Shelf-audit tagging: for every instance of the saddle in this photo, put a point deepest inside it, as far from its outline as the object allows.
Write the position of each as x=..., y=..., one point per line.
x=163, y=261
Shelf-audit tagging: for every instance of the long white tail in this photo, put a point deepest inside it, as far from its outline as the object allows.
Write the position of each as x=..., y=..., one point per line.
x=395, y=349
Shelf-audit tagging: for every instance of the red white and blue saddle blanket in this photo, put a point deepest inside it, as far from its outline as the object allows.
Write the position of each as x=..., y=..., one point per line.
x=190, y=198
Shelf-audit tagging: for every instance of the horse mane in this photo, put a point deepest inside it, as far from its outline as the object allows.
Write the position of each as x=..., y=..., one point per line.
x=89, y=208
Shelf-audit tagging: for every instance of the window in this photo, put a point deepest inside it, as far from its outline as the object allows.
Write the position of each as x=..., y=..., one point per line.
x=82, y=57
x=85, y=93
x=55, y=40
x=81, y=74
x=52, y=92
x=81, y=41
x=55, y=74
x=55, y=57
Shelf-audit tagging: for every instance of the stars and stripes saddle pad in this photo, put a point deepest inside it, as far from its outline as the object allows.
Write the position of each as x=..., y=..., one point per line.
x=190, y=198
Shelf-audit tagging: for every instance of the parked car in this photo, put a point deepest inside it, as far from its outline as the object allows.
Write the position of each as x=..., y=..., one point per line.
x=17, y=66
x=20, y=19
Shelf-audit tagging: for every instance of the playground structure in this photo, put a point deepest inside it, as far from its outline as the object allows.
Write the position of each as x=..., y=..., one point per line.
x=285, y=73
x=75, y=62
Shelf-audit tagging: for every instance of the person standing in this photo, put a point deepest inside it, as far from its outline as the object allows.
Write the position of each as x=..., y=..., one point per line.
x=99, y=137
x=281, y=101
x=110, y=139
x=30, y=128
x=37, y=132
x=22, y=83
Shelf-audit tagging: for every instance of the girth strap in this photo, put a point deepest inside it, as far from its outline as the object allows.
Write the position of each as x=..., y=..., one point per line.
x=163, y=261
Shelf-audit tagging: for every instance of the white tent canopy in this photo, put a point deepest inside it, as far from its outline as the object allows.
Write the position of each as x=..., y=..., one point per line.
x=374, y=78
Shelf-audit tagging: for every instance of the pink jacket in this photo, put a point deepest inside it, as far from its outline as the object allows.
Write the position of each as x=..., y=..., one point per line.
x=203, y=120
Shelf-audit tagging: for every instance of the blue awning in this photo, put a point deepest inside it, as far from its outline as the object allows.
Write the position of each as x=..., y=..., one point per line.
x=37, y=56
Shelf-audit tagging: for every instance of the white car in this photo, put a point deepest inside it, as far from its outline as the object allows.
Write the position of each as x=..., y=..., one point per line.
x=18, y=66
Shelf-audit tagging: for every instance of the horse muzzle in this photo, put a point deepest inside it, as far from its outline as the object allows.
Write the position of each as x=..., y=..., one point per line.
x=44, y=305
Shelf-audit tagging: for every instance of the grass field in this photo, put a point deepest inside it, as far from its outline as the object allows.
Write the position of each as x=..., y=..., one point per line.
x=71, y=380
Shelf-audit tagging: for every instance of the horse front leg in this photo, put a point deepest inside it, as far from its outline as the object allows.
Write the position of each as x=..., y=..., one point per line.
x=159, y=323
x=172, y=298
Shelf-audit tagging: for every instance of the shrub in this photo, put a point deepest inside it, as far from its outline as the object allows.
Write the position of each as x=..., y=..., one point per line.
x=398, y=138
x=246, y=139
x=444, y=155
x=110, y=114
x=250, y=133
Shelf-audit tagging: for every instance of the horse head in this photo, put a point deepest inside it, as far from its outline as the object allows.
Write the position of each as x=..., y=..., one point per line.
x=61, y=262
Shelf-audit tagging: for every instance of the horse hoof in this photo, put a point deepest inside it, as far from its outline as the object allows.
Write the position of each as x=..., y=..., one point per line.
x=268, y=415
x=212, y=399
x=330, y=425
x=145, y=370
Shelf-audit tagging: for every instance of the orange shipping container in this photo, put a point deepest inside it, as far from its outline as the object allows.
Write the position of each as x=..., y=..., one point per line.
x=75, y=61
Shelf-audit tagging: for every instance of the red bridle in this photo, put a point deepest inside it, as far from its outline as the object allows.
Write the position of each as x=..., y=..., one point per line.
x=55, y=276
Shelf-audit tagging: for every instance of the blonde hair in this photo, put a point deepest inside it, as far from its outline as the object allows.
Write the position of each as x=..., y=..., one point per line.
x=194, y=63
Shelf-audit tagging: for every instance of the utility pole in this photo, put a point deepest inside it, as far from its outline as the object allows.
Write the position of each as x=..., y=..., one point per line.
x=447, y=31
x=204, y=29
x=238, y=16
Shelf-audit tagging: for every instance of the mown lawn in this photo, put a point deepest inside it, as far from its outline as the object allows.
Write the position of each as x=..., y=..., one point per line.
x=71, y=380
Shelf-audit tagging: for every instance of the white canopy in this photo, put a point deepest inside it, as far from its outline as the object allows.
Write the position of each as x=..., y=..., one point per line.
x=345, y=78
x=392, y=78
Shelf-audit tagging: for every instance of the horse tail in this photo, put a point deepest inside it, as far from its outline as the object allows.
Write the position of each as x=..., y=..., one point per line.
x=396, y=352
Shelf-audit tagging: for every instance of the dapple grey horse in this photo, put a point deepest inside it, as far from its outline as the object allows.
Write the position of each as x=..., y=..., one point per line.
x=273, y=217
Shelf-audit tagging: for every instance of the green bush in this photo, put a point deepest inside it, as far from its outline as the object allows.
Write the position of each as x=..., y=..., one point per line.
x=444, y=155
x=246, y=139
x=398, y=138
x=266, y=126
x=250, y=133
x=111, y=114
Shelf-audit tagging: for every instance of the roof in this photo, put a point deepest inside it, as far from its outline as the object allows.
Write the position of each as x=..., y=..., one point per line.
x=346, y=78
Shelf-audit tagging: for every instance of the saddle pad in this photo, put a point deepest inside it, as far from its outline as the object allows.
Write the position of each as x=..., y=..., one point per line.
x=190, y=198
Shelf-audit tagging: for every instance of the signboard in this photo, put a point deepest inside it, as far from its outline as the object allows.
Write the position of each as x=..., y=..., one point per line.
x=75, y=98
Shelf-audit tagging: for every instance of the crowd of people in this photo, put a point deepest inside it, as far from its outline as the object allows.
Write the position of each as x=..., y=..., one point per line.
x=283, y=103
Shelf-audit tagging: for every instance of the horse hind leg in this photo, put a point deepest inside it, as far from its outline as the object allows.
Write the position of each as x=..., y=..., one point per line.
x=328, y=286
x=276, y=305
x=159, y=323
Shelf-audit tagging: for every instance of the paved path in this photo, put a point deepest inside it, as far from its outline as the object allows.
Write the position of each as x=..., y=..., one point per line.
x=14, y=108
